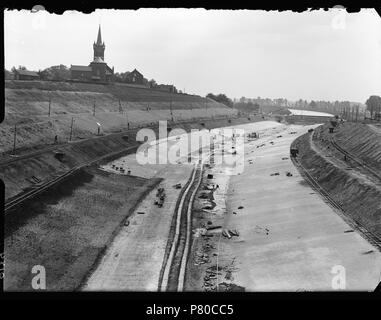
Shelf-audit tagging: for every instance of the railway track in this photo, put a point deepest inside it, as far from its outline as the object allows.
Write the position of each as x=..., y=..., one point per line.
x=38, y=189
x=12, y=204
x=369, y=236
x=355, y=159
x=4, y=162
x=174, y=267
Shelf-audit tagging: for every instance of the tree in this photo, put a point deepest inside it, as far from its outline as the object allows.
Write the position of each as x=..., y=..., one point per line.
x=222, y=98
x=8, y=75
x=373, y=104
x=152, y=83
x=60, y=72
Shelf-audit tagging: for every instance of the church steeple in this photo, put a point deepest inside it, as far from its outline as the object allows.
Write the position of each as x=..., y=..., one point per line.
x=99, y=39
x=99, y=46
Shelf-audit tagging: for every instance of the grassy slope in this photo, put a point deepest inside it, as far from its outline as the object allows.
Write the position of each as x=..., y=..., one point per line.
x=359, y=200
x=68, y=228
x=27, y=104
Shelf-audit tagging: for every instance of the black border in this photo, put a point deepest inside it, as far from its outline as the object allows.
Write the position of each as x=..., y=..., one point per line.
x=244, y=303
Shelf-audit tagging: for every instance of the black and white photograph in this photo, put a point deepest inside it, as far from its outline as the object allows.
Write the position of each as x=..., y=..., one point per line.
x=191, y=150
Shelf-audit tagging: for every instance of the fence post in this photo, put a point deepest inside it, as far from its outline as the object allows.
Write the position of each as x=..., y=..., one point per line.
x=71, y=128
x=14, y=140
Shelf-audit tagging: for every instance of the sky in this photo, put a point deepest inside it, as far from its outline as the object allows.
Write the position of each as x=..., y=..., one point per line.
x=315, y=55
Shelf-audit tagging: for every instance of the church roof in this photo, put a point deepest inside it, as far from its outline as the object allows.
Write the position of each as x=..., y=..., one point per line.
x=98, y=60
x=81, y=68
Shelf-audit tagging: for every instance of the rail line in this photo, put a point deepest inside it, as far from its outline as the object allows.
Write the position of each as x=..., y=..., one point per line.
x=368, y=235
x=173, y=277
x=11, y=204
x=54, y=147
x=355, y=159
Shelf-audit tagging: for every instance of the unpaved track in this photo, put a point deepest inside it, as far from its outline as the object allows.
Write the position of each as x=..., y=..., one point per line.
x=306, y=238
x=134, y=260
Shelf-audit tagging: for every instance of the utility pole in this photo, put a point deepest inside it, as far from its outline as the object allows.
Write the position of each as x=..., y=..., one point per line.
x=71, y=128
x=170, y=108
x=94, y=109
x=357, y=112
x=50, y=100
x=14, y=140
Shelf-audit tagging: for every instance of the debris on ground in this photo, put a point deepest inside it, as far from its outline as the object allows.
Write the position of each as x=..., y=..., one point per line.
x=240, y=207
x=275, y=174
x=234, y=212
x=213, y=227
x=228, y=233
x=279, y=136
x=160, y=194
x=230, y=287
x=259, y=229
x=210, y=176
x=203, y=196
x=177, y=186
x=284, y=158
x=127, y=223
x=289, y=174
x=141, y=212
x=201, y=258
x=199, y=232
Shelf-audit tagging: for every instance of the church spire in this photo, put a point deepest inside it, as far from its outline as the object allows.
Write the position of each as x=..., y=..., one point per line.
x=99, y=47
x=99, y=39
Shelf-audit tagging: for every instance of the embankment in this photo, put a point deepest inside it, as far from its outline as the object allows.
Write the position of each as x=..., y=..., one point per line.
x=22, y=175
x=360, y=200
x=45, y=109
x=66, y=229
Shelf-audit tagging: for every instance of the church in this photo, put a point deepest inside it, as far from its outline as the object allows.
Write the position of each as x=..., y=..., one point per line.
x=97, y=70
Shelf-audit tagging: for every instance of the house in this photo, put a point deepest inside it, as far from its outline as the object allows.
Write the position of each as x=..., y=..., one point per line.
x=97, y=70
x=25, y=75
x=134, y=77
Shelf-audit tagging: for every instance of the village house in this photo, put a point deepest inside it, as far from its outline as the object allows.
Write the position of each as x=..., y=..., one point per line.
x=25, y=75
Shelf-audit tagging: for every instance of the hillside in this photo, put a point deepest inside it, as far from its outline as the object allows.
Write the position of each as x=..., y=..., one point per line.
x=116, y=107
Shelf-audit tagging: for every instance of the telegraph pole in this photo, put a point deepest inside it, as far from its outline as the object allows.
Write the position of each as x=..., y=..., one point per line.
x=71, y=128
x=170, y=108
x=50, y=100
x=357, y=112
x=14, y=140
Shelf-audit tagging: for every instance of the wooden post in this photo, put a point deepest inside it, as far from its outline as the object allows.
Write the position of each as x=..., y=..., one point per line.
x=94, y=109
x=50, y=100
x=71, y=128
x=14, y=140
x=357, y=112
